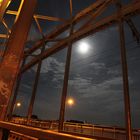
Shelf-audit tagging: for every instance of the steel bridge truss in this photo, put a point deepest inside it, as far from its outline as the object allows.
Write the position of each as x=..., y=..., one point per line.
x=14, y=52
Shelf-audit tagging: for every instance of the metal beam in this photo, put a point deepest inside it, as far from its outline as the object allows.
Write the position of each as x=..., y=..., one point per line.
x=79, y=16
x=98, y=12
x=4, y=36
x=19, y=10
x=10, y=66
x=61, y=28
x=66, y=76
x=126, y=11
x=124, y=74
x=38, y=26
x=125, y=82
x=6, y=26
x=42, y=17
x=31, y=105
x=133, y=28
x=3, y=5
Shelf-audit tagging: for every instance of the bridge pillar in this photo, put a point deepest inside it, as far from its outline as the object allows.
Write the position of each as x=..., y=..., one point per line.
x=32, y=100
x=10, y=65
x=65, y=83
x=125, y=78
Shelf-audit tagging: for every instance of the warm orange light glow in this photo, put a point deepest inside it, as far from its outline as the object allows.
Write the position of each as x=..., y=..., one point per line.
x=70, y=101
x=18, y=104
x=0, y=2
x=8, y=3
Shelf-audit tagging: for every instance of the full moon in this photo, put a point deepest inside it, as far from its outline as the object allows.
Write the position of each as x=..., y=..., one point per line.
x=83, y=48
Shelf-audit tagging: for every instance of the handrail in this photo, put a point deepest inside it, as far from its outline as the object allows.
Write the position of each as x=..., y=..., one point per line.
x=39, y=133
x=80, y=129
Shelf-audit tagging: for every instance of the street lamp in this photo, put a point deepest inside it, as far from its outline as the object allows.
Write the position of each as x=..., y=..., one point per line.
x=18, y=104
x=70, y=101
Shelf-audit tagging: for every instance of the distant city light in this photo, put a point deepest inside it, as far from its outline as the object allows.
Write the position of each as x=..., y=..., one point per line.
x=70, y=101
x=18, y=104
x=83, y=48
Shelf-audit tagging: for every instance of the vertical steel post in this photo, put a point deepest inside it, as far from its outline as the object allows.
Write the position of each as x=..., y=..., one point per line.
x=30, y=109
x=125, y=81
x=10, y=65
x=11, y=106
x=66, y=77
x=65, y=86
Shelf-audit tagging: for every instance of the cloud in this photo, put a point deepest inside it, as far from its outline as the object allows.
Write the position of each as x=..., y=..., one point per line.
x=114, y=71
x=88, y=89
x=53, y=69
x=80, y=82
x=98, y=65
x=51, y=64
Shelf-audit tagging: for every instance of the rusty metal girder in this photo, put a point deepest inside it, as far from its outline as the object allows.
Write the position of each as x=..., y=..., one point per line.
x=128, y=10
x=66, y=75
x=4, y=36
x=98, y=12
x=10, y=64
x=59, y=29
x=133, y=28
x=42, y=17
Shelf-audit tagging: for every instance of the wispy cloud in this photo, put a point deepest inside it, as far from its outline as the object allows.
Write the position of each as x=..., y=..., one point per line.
x=98, y=65
x=88, y=89
x=52, y=64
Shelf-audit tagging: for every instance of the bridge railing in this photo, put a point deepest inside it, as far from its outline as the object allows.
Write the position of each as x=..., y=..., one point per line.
x=79, y=128
x=95, y=130
x=36, y=133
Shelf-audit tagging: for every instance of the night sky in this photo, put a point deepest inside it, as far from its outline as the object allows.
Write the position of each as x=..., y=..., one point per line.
x=95, y=81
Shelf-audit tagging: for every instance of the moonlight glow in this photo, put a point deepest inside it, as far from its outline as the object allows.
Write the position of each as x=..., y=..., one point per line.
x=83, y=48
